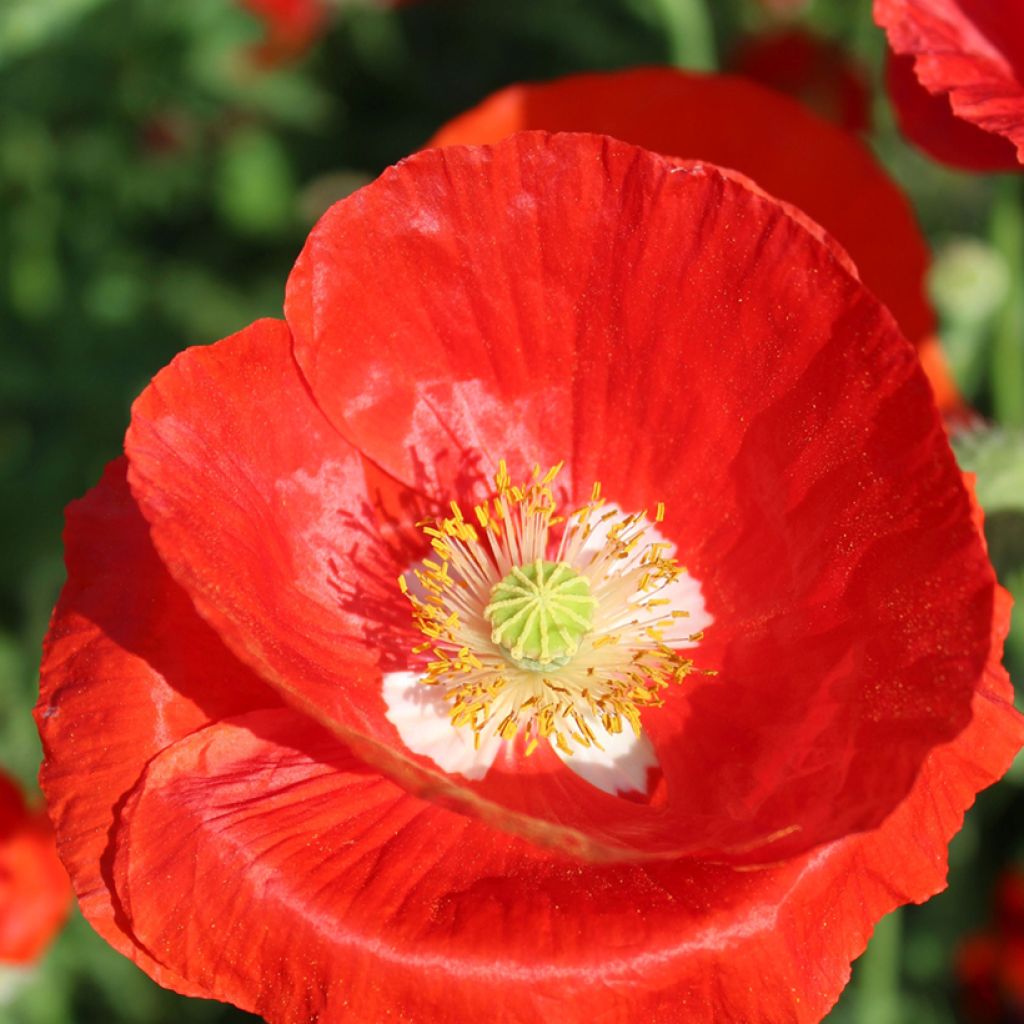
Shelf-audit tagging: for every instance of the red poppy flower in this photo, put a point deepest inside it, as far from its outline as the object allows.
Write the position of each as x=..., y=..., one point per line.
x=551, y=773
x=34, y=890
x=735, y=123
x=958, y=84
x=991, y=964
x=812, y=70
x=290, y=26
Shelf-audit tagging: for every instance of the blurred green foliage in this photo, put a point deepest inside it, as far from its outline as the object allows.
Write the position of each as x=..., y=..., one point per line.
x=155, y=187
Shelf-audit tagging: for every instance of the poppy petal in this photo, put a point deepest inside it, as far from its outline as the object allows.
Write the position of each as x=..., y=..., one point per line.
x=971, y=51
x=34, y=889
x=737, y=124
x=929, y=122
x=286, y=877
x=128, y=667
x=279, y=545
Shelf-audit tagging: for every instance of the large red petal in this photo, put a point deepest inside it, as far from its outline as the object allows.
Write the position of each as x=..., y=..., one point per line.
x=971, y=51
x=128, y=668
x=34, y=890
x=819, y=168
x=288, y=542
x=281, y=874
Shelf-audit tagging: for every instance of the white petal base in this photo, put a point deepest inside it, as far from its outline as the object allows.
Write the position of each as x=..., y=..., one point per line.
x=420, y=714
x=621, y=768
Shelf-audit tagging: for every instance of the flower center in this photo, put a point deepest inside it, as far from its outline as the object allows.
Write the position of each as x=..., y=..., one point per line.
x=539, y=613
x=556, y=627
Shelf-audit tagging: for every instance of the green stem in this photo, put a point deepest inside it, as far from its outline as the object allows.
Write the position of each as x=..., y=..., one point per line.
x=1015, y=640
x=862, y=28
x=688, y=29
x=1007, y=365
x=878, y=975
x=867, y=40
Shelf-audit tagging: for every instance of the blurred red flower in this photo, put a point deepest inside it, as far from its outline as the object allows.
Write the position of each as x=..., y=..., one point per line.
x=956, y=78
x=821, y=75
x=991, y=963
x=290, y=27
x=735, y=123
x=34, y=889
x=258, y=798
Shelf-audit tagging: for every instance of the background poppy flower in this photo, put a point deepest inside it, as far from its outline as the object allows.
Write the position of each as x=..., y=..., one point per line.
x=290, y=26
x=34, y=889
x=738, y=124
x=821, y=75
x=957, y=80
x=990, y=964
x=236, y=804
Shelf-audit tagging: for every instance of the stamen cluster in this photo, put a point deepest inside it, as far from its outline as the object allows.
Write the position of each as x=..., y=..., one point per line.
x=549, y=626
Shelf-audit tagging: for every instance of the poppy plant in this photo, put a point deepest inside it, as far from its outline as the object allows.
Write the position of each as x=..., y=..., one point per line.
x=571, y=608
x=737, y=123
x=956, y=78
x=34, y=889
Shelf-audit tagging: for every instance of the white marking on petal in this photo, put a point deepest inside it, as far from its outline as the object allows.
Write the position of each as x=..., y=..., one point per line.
x=420, y=714
x=622, y=767
x=683, y=594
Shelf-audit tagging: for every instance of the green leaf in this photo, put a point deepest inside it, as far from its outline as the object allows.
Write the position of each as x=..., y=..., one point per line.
x=689, y=33
x=26, y=25
x=255, y=186
x=969, y=283
x=1007, y=366
x=878, y=975
x=996, y=457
